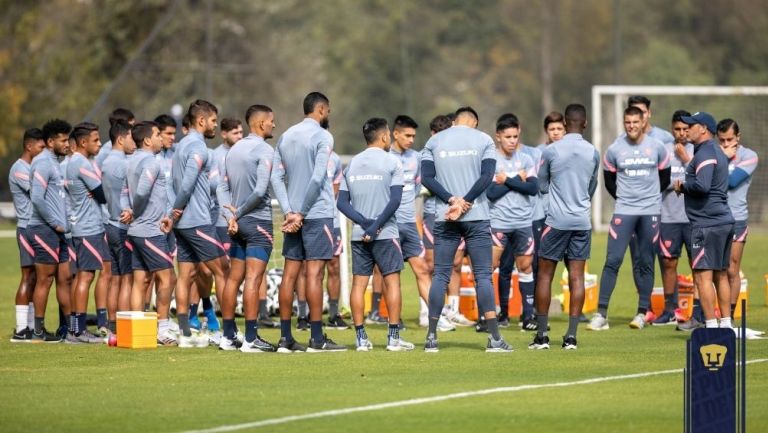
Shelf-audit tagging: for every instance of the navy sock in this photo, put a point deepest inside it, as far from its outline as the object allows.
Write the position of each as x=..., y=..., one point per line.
x=432, y=326
x=192, y=310
x=184, y=324
x=394, y=331
x=63, y=320
x=81, y=324
x=527, y=289
x=263, y=313
x=146, y=307
x=229, y=328
x=316, y=329
x=112, y=326
x=250, y=330
x=101, y=317
x=669, y=303
x=285, y=329
x=207, y=305
x=360, y=332
x=697, y=312
x=302, y=308
x=333, y=307
x=375, y=300
x=39, y=324
x=73, y=323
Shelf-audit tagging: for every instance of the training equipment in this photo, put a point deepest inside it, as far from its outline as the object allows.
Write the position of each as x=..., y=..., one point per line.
x=136, y=329
x=112, y=340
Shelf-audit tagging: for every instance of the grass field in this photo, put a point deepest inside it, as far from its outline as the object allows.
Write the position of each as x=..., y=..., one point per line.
x=64, y=388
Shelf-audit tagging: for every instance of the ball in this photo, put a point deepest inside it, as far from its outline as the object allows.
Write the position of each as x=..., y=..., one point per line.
x=112, y=340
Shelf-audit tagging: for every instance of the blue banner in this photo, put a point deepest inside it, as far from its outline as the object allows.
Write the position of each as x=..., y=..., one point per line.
x=711, y=380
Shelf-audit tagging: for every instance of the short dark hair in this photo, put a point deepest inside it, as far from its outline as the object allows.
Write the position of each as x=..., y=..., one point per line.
x=84, y=129
x=312, y=100
x=468, y=110
x=252, y=111
x=165, y=121
x=123, y=114
x=638, y=99
x=55, y=127
x=119, y=129
x=143, y=130
x=576, y=113
x=726, y=124
x=633, y=111
x=402, y=121
x=200, y=107
x=185, y=122
x=678, y=115
x=227, y=124
x=439, y=123
x=372, y=128
x=553, y=117
x=32, y=134
x=507, y=120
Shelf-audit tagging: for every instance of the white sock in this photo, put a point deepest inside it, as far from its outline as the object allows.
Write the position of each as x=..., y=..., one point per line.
x=453, y=301
x=424, y=307
x=22, y=311
x=711, y=323
x=162, y=326
x=31, y=316
x=726, y=322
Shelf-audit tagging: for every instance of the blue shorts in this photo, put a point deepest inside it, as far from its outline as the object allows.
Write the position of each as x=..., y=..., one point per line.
x=49, y=246
x=384, y=253
x=92, y=252
x=672, y=237
x=313, y=241
x=150, y=254
x=72, y=255
x=117, y=240
x=170, y=239
x=252, y=240
x=740, y=230
x=198, y=244
x=428, y=228
x=565, y=244
x=519, y=241
x=410, y=241
x=711, y=247
x=222, y=233
x=338, y=246
x=26, y=252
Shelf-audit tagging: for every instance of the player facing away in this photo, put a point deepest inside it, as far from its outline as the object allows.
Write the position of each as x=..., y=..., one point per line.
x=568, y=177
x=195, y=233
x=370, y=194
x=244, y=197
x=636, y=171
x=300, y=183
x=706, y=204
x=145, y=206
x=47, y=227
x=18, y=182
x=458, y=166
x=675, y=228
x=512, y=196
x=333, y=281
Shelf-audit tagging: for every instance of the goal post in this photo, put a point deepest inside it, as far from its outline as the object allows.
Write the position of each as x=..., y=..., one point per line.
x=747, y=104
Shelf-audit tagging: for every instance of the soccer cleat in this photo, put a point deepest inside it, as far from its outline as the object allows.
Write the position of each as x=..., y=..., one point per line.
x=666, y=318
x=481, y=325
x=430, y=345
x=213, y=321
x=374, y=318
x=88, y=337
x=229, y=344
x=638, y=322
x=445, y=325
x=289, y=346
x=569, y=342
x=399, y=345
x=363, y=345
x=194, y=322
x=689, y=325
x=166, y=338
x=23, y=336
x=267, y=323
x=539, y=343
x=45, y=337
x=503, y=321
x=325, y=345
x=530, y=324
x=71, y=339
x=598, y=323
x=258, y=345
x=336, y=322
x=497, y=346
x=302, y=324
x=458, y=319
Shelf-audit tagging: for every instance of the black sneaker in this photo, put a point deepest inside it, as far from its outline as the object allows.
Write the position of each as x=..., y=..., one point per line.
x=569, y=342
x=267, y=323
x=530, y=324
x=666, y=318
x=23, y=336
x=45, y=337
x=430, y=345
x=258, y=345
x=539, y=343
x=336, y=322
x=302, y=324
x=289, y=346
x=62, y=332
x=503, y=321
x=325, y=345
x=481, y=325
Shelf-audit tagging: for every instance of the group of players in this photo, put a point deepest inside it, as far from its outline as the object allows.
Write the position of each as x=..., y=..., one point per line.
x=128, y=208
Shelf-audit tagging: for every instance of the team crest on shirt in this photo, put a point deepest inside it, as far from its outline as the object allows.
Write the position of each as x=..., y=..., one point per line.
x=617, y=221
x=667, y=244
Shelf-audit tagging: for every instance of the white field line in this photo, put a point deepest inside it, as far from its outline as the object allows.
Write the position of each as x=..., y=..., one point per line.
x=437, y=398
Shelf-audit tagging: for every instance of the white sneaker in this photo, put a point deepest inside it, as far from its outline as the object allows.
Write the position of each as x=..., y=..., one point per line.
x=598, y=323
x=399, y=345
x=195, y=340
x=166, y=338
x=750, y=334
x=444, y=325
x=228, y=344
x=173, y=326
x=364, y=345
x=215, y=337
x=638, y=322
x=458, y=319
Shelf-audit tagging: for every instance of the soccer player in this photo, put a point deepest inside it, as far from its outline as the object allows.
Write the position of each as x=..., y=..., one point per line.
x=231, y=133
x=742, y=165
x=300, y=183
x=47, y=226
x=333, y=282
x=675, y=229
x=636, y=170
x=644, y=105
x=706, y=204
x=568, y=175
x=512, y=196
x=86, y=195
x=146, y=208
x=457, y=166
x=370, y=195
x=117, y=115
x=167, y=126
x=244, y=197
x=554, y=128
x=195, y=234
x=18, y=182
x=114, y=169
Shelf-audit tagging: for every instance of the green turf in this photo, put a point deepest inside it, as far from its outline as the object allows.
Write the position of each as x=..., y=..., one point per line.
x=62, y=388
